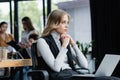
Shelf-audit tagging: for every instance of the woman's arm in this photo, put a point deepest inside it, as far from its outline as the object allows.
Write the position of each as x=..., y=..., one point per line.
x=80, y=57
x=54, y=63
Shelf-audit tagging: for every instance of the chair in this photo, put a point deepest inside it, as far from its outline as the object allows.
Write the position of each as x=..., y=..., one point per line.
x=36, y=73
x=7, y=74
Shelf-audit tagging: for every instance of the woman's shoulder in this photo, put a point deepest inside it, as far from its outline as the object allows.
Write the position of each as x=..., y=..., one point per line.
x=41, y=40
x=44, y=39
x=9, y=35
x=34, y=32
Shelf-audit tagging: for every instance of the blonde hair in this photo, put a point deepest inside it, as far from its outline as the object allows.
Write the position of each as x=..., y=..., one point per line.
x=54, y=19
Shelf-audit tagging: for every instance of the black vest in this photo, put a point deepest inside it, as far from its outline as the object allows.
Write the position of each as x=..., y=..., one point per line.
x=50, y=41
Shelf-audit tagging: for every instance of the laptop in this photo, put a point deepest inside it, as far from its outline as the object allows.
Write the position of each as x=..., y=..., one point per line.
x=106, y=67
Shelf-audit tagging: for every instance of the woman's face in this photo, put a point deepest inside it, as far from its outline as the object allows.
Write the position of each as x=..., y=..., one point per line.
x=62, y=28
x=3, y=28
x=31, y=41
x=24, y=25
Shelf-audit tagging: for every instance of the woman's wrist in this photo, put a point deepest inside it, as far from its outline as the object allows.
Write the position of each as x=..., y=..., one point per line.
x=72, y=44
x=63, y=45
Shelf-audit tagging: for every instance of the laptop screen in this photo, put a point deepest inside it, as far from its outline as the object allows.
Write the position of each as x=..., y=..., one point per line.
x=107, y=65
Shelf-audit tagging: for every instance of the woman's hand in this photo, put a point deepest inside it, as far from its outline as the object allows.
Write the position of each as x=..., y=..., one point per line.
x=21, y=45
x=72, y=43
x=65, y=40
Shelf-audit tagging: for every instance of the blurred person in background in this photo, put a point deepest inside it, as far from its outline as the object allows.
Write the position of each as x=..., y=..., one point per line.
x=33, y=38
x=4, y=38
x=28, y=29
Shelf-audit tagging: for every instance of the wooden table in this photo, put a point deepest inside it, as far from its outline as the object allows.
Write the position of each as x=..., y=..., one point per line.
x=19, y=63
x=15, y=63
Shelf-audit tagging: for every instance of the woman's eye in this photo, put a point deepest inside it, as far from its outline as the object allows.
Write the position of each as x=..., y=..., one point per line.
x=63, y=22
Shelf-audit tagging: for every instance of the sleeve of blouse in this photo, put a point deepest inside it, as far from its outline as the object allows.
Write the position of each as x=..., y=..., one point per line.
x=54, y=63
x=80, y=57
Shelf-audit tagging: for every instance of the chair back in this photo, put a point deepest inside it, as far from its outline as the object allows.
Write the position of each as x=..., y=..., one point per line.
x=37, y=72
x=34, y=55
x=38, y=62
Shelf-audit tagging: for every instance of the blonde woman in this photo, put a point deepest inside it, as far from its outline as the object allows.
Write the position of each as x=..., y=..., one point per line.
x=58, y=50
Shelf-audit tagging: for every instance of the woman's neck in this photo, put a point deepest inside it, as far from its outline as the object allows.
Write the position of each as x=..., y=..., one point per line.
x=27, y=30
x=3, y=35
x=2, y=32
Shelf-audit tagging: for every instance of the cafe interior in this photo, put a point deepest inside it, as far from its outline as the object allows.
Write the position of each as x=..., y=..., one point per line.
x=101, y=17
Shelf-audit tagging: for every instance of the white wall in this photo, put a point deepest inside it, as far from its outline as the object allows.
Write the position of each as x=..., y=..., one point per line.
x=80, y=24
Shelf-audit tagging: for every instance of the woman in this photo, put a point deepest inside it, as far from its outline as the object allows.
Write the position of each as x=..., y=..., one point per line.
x=28, y=29
x=58, y=50
x=5, y=37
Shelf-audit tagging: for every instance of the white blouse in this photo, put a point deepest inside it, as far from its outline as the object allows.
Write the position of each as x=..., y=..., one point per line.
x=25, y=35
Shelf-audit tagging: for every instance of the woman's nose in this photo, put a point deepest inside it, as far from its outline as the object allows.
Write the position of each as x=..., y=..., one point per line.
x=66, y=25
